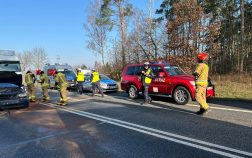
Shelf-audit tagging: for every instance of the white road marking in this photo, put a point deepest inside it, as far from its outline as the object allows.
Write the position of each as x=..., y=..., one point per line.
x=79, y=100
x=158, y=133
x=194, y=105
x=227, y=109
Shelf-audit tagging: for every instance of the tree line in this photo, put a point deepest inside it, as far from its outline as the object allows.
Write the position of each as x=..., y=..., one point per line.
x=33, y=59
x=175, y=32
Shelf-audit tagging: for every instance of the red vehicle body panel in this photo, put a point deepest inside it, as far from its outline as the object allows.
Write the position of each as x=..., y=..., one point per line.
x=161, y=85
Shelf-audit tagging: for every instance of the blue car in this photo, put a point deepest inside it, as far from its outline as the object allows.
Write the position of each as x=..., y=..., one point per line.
x=107, y=84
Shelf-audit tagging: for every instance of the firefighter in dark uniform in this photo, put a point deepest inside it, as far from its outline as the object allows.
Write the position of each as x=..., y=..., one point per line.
x=95, y=80
x=30, y=82
x=146, y=80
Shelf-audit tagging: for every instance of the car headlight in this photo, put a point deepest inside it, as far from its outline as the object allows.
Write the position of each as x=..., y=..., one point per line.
x=23, y=92
x=22, y=95
x=103, y=85
x=192, y=83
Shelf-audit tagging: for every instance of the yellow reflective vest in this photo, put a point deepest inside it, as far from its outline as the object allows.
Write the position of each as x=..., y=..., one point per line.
x=147, y=77
x=96, y=77
x=80, y=77
x=202, y=71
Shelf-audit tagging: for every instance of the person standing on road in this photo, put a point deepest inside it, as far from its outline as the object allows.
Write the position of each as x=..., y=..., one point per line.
x=60, y=82
x=146, y=80
x=201, y=81
x=30, y=82
x=45, y=83
x=80, y=80
x=95, y=80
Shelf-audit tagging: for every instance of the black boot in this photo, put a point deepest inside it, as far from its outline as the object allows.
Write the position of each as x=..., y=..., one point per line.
x=202, y=111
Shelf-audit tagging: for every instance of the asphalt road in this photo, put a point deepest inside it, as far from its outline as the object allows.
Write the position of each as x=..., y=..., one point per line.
x=114, y=126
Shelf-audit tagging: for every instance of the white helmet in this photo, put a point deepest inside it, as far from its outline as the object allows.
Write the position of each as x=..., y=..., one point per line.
x=146, y=64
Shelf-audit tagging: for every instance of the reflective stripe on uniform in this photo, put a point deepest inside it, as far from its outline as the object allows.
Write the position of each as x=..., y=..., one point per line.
x=201, y=82
x=202, y=71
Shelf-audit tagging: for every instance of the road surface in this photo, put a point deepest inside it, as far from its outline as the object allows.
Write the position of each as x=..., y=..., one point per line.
x=114, y=126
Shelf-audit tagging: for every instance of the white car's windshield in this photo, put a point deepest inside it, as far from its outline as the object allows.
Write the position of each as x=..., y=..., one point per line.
x=10, y=66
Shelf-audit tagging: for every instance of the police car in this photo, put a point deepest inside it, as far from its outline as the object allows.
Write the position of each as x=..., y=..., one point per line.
x=66, y=69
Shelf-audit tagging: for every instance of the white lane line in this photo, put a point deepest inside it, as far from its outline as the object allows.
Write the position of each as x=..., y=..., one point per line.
x=194, y=105
x=227, y=109
x=79, y=100
x=157, y=133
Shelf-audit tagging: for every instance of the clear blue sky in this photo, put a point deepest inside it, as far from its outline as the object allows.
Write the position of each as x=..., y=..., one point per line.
x=55, y=25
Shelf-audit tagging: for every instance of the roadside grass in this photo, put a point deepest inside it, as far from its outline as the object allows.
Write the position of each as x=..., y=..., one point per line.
x=233, y=86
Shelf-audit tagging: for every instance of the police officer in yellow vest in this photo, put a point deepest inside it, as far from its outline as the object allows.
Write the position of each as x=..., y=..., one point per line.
x=95, y=80
x=60, y=81
x=147, y=78
x=30, y=80
x=201, y=81
x=80, y=79
x=45, y=83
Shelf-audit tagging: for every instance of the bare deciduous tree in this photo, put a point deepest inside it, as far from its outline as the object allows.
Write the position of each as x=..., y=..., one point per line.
x=25, y=59
x=39, y=58
x=96, y=30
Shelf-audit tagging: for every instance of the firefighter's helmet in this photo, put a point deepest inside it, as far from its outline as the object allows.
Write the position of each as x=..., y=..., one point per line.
x=38, y=72
x=202, y=56
x=52, y=72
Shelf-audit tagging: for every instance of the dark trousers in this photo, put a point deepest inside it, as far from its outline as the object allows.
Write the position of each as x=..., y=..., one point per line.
x=80, y=87
x=98, y=86
x=147, y=99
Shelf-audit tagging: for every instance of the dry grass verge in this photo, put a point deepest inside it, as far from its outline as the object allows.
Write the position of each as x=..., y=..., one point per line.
x=233, y=86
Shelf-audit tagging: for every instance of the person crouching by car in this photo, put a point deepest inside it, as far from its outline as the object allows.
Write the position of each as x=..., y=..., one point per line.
x=146, y=80
x=80, y=79
x=95, y=80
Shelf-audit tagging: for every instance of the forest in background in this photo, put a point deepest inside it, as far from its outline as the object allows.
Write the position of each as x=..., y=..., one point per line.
x=120, y=34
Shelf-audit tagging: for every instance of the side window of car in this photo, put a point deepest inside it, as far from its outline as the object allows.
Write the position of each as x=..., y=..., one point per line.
x=157, y=71
x=154, y=70
x=130, y=70
x=138, y=70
